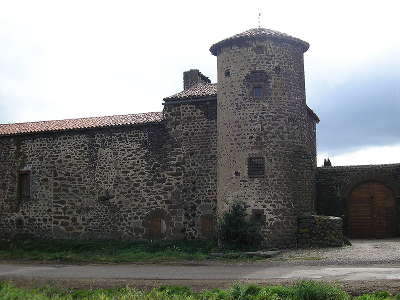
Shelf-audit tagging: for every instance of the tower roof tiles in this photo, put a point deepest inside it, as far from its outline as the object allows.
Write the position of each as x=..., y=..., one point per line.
x=257, y=34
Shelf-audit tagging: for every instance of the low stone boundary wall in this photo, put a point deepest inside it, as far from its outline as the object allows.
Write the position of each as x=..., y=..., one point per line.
x=320, y=231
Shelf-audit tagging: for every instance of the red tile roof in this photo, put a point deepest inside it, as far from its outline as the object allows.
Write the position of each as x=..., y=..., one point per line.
x=257, y=34
x=81, y=123
x=200, y=90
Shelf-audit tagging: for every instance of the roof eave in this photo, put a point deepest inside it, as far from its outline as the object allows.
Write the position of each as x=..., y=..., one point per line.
x=189, y=99
x=313, y=114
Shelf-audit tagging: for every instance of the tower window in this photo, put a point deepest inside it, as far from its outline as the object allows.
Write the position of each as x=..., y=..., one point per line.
x=227, y=73
x=257, y=92
x=258, y=84
x=24, y=184
x=256, y=166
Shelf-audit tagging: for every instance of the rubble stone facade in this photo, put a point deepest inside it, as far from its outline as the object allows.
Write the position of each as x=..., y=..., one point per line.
x=107, y=183
x=250, y=137
x=274, y=127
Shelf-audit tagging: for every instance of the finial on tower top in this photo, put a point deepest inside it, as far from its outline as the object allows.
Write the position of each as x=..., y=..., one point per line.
x=259, y=18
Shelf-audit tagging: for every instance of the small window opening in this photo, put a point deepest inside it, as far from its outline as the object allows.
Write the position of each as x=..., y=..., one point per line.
x=19, y=223
x=259, y=50
x=227, y=73
x=24, y=184
x=257, y=92
x=258, y=216
x=256, y=166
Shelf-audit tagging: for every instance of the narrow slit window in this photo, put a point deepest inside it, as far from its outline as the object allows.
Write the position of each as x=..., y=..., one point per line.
x=24, y=184
x=256, y=166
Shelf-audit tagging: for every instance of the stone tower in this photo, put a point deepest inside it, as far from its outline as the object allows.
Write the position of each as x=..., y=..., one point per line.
x=265, y=131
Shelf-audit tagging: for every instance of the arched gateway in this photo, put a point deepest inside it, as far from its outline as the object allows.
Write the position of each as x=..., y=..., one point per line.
x=371, y=211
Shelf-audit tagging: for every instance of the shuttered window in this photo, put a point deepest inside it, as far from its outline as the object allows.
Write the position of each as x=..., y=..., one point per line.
x=256, y=166
x=24, y=184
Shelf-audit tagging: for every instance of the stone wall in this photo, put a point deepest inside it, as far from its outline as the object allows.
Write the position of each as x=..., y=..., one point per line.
x=334, y=184
x=320, y=231
x=193, y=125
x=112, y=182
x=276, y=126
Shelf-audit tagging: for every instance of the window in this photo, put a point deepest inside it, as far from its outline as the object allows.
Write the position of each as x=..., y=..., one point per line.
x=227, y=73
x=257, y=92
x=258, y=216
x=258, y=85
x=256, y=166
x=24, y=184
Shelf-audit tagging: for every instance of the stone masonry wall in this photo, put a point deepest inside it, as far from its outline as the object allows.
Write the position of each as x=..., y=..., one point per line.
x=320, y=231
x=276, y=126
x=194, y=127
x=109, y=182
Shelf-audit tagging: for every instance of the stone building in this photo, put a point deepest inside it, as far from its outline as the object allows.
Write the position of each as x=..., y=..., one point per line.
x=169, y=174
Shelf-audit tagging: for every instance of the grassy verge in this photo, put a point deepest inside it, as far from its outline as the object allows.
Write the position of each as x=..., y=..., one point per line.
x=110, y=251
x=306, y=290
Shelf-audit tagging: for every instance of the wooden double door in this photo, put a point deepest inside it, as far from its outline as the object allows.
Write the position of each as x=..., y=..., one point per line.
x=371, y=212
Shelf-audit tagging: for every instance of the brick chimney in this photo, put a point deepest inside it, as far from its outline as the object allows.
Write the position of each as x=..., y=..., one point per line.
x=192, y=77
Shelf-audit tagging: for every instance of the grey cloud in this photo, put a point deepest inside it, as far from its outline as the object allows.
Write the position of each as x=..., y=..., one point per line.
x=363, y=111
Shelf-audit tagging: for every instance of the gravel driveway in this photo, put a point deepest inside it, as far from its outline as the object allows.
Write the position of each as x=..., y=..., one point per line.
x=361, y=252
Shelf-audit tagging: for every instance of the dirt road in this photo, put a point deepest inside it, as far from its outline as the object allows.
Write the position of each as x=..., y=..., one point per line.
x=365, y=266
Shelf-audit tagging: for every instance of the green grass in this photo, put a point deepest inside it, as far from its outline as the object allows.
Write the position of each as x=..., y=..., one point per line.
x=105, y=251
x=305, y=290
x=113, y=251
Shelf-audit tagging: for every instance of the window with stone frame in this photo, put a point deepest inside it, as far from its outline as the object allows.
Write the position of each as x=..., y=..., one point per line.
x=256, y=166
x=257, y=83
x=257, y=92
x=24, y=185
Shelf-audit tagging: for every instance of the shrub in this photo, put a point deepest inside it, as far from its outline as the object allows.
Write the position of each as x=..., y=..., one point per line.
x=236, y=231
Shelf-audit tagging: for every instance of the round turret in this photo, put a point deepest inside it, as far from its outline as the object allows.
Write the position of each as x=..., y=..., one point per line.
x=266, y=133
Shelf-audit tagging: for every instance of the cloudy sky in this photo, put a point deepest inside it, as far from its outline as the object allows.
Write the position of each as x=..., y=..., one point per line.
x=68, y=59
